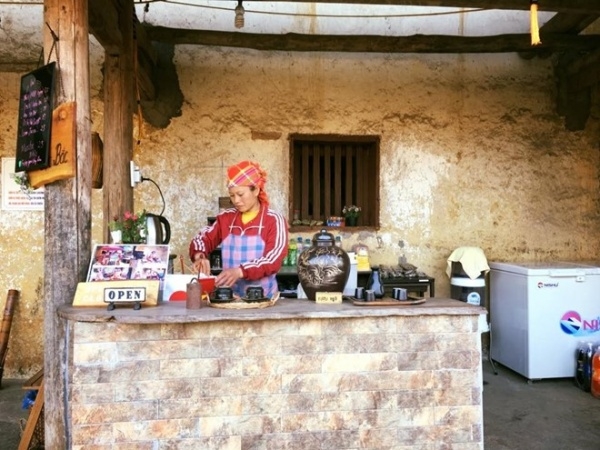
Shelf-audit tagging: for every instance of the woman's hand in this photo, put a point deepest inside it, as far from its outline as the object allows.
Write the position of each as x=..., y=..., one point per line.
x=228, y=277
x=201, y=264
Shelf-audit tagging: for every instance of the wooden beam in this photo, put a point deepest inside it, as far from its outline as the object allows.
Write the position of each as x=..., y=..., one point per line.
x=166, y=103
x=575, y=73
x=103, y=24
x=146, y=62
x=378, y=44
x=578, y=110
x=582, y=63
x=568, y=23
x=583, y=80
x=118, y=121
x=582, y=73
x=67, y=230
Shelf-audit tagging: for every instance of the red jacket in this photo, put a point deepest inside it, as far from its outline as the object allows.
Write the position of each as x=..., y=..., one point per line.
x=274, y=234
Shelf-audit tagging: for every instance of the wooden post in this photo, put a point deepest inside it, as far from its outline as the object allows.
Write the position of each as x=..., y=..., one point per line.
x=9, y=308
x=67, y=245
x=119, y=96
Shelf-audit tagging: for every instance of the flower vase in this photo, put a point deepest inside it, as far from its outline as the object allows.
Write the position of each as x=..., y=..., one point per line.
x=351, y=221
x=116, y=236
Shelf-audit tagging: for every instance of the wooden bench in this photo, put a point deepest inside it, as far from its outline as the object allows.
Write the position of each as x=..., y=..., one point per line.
x=35, y=421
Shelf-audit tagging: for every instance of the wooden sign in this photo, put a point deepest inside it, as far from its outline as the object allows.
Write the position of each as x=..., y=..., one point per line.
x=328, y=297
x=62, y=148
x=35, y=119
x=127, y=294
x=101, y=293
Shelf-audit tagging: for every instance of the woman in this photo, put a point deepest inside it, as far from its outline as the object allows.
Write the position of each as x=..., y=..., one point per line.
x=253, y=238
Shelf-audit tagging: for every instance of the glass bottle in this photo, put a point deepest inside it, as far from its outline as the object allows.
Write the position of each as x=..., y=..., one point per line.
x=292, y=252
x=375, y=283
x=299, y=245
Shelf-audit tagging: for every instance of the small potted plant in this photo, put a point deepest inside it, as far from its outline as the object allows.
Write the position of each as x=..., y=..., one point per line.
x=351, y=214
x=131, y=229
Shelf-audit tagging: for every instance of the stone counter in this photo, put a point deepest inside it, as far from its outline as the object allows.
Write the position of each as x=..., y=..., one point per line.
x=293, y=376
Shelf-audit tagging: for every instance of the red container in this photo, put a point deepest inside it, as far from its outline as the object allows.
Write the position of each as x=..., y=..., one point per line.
x=175, y=288
x=208, y=284
x=595, y=385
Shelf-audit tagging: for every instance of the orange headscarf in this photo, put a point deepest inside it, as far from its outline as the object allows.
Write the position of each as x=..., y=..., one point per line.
x=248, y=173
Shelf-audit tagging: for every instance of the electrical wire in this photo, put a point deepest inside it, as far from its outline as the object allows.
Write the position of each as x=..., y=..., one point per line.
x=341, y=16
x=159, y=191
x=274, y=13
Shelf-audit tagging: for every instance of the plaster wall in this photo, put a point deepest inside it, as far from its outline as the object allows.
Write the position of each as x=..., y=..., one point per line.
x=472, y=154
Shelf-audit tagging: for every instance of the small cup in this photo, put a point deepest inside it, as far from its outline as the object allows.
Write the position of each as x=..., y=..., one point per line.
x=254, y=292
x=399, y=293
x=359, y=293
x=369, y=295
x=223, y=293
x=402, y=294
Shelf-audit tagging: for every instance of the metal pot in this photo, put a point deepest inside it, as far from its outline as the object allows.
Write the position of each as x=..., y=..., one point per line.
x=158, y=229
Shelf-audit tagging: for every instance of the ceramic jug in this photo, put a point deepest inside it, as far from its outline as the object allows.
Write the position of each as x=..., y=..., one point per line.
x=323, y=267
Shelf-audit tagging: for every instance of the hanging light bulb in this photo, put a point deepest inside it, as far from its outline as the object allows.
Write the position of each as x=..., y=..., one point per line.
x=239, y=15
x=535, y=29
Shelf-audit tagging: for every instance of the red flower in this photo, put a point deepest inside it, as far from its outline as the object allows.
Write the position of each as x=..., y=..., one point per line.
x=132, y=227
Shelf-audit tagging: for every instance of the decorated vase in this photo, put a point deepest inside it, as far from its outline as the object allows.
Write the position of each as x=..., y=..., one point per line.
x=323, y=267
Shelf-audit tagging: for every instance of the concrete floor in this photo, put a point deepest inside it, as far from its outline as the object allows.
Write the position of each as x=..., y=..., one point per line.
x=11, y=413
x=544, y=415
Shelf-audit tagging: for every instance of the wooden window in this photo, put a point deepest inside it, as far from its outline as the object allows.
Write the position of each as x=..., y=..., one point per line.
x=330, y=172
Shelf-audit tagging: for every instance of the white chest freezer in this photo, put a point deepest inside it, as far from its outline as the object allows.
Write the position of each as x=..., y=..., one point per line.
x=540, y=312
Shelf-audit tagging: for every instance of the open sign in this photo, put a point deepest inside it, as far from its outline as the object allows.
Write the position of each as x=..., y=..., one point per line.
x=135, y=295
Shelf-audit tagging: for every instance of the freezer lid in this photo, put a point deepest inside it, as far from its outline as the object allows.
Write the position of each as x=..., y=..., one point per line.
x=547, y=268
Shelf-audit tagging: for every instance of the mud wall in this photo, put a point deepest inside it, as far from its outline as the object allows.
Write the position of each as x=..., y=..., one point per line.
x=472, y=151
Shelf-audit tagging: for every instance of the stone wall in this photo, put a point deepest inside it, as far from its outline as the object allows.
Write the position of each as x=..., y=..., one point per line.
x=473, y=154
x=373, y=382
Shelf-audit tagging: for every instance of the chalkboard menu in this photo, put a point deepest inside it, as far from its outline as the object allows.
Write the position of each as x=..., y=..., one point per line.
x=35, y=119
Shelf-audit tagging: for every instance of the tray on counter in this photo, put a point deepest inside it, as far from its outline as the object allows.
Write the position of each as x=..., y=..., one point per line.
x=388, y=301
x=239, y=303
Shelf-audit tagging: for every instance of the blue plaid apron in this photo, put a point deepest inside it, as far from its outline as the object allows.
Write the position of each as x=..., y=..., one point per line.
x=238, y=249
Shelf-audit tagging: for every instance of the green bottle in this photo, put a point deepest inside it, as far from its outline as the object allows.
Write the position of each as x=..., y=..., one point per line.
x=292, y=256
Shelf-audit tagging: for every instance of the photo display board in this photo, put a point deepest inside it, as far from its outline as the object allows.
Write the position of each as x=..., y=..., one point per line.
x=35, y=119
x=115, y=262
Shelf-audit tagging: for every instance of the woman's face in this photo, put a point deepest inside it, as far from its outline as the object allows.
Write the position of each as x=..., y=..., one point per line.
x=244, y=198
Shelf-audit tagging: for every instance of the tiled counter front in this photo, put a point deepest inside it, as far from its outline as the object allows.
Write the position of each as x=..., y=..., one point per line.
x=295, y=376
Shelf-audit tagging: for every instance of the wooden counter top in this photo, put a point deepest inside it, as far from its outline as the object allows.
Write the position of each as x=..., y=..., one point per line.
x=175, y=312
